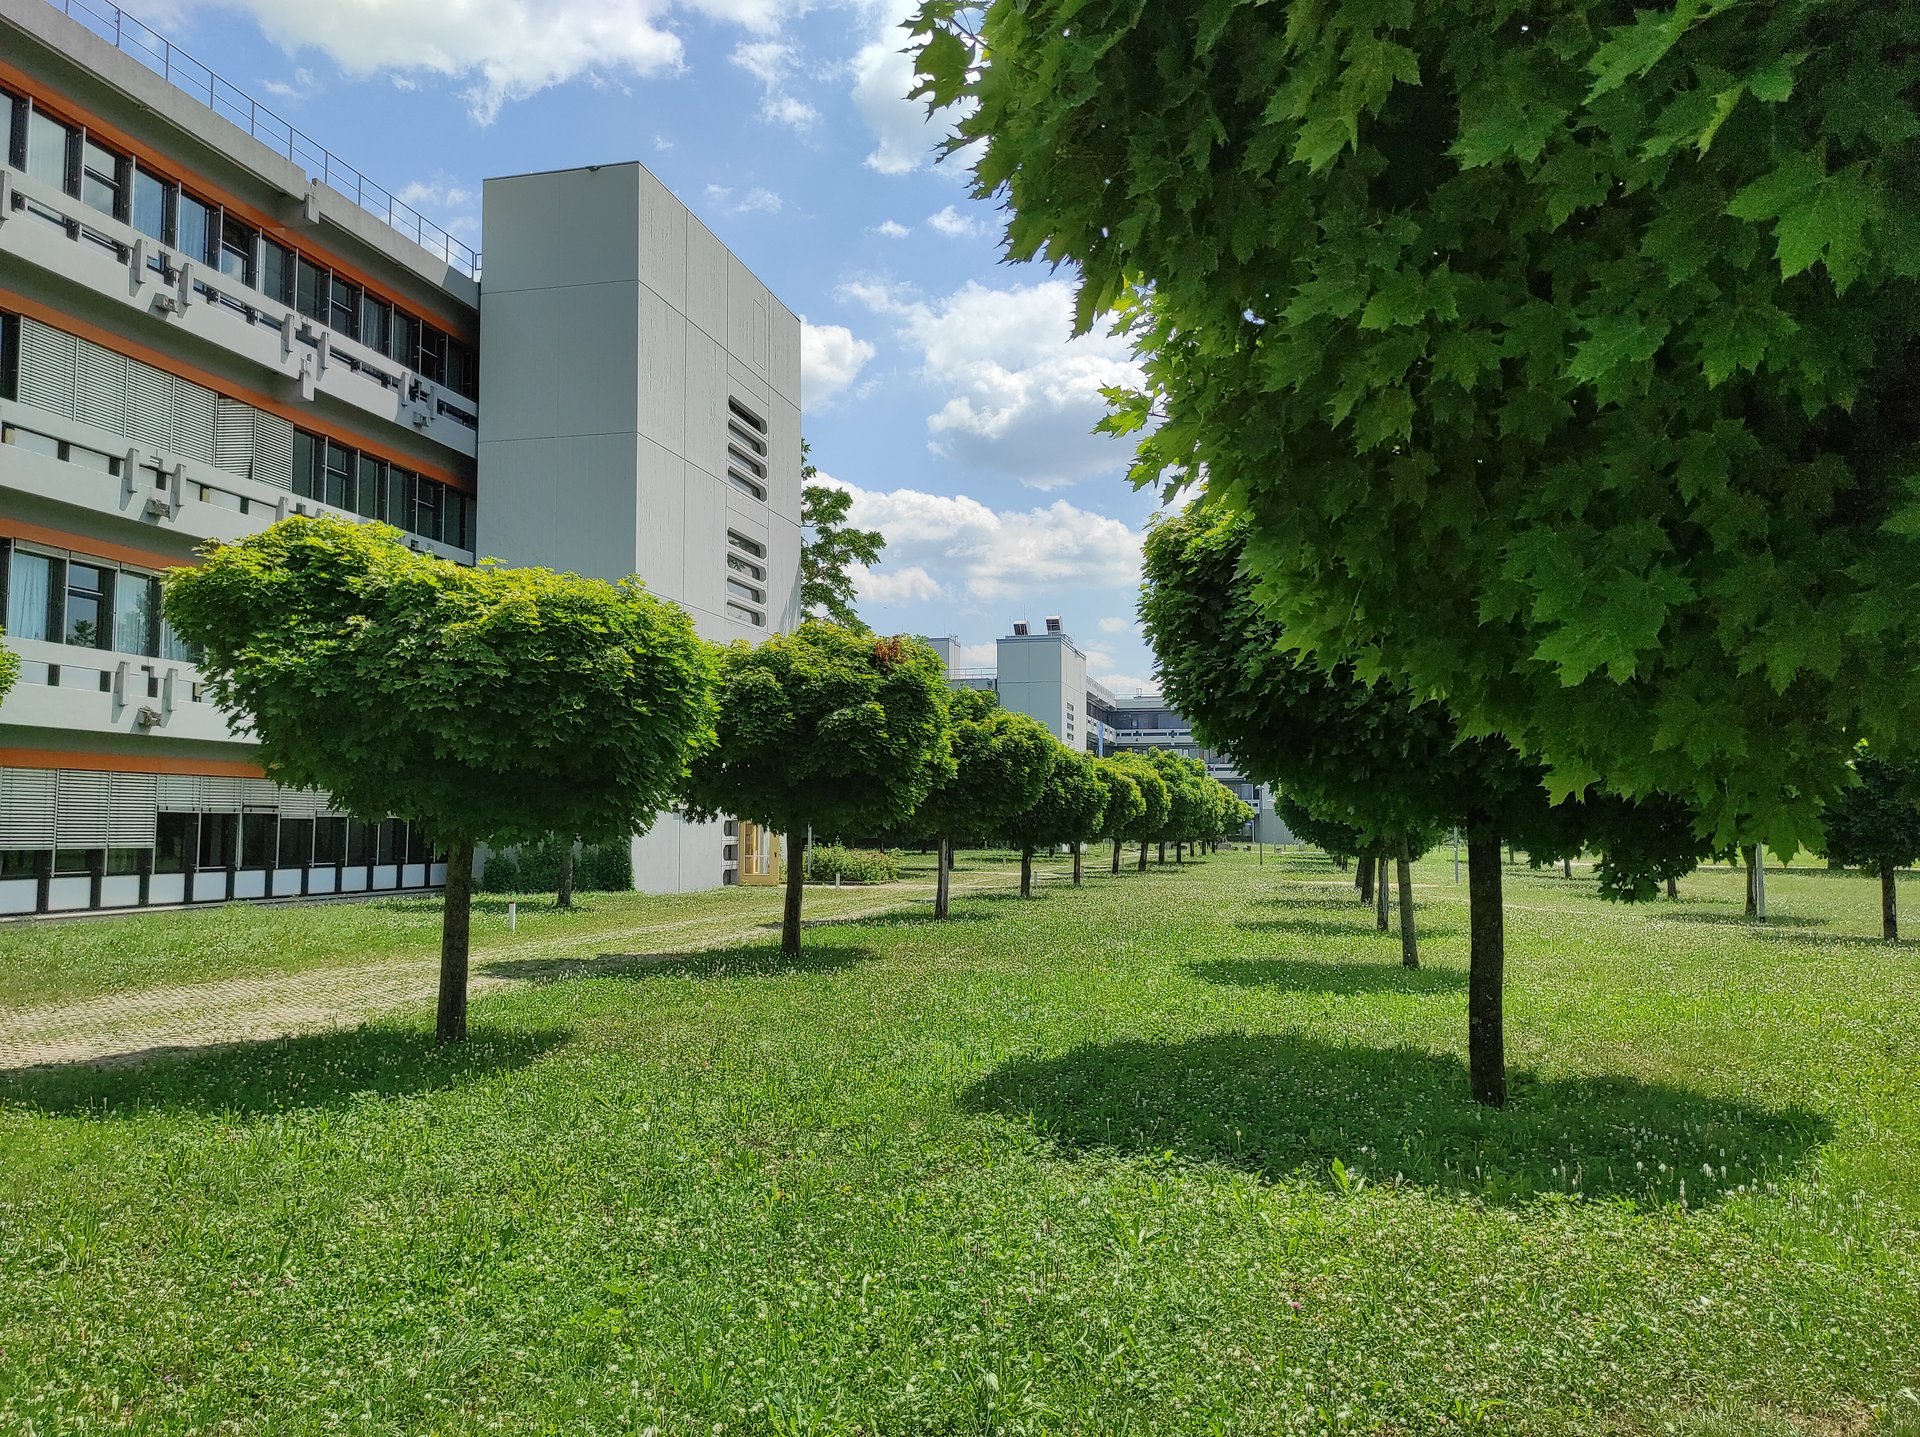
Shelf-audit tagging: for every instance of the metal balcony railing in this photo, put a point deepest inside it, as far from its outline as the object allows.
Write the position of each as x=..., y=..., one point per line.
x=152, y=49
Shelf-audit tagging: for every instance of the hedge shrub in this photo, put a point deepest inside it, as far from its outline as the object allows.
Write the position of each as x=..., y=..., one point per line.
x=852, y=865
x=535, y=868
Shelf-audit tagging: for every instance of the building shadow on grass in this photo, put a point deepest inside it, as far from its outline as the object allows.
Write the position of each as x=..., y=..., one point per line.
x=1320, y=975
x=1284, y=1106
x=745, y=960
x=278, y=1075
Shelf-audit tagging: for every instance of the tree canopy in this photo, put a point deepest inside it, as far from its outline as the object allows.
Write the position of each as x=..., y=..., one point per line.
x=1565, y=359
x=1125, y=805
x=1067, y=810
x=824, y=728
x=1875, y=825
x=829, y=549
x=484, y=703
x=1000, y=764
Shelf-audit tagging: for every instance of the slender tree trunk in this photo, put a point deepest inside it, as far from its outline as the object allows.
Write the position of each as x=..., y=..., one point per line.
x=1177, y=847
x=1566, y=868
x=456, y=931
x=942, y=887
x=1486, y=1036
x=1162, y=855
x=790, y=912
x=1026, y=871
x=1381, y=897
x=1673, y=890
x=564, y=898
x=1076, y=863
x=1143, y=855
x=1116, y=858
x=1409, y=940
x=1367, y=877
x=1889, y=912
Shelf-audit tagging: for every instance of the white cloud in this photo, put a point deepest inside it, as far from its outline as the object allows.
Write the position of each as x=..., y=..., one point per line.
x=501, y=49
x=954, y=225
x=896, y=586
x=772, y=63
x=1025, y=395
x=662, y=143
x=831, y=358
x=757, y=200
x=993, y=555
x=1116, y=625
x=1126, y=686
x=300, y=87
x=892, y=229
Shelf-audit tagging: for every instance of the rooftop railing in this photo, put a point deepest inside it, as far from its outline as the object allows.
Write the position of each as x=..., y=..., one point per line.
x=160, y=55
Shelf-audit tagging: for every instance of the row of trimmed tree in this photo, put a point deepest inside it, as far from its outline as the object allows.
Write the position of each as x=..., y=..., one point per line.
x=497, y=705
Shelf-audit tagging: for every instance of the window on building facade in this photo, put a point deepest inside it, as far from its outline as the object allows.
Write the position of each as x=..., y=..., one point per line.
x=152, y=205
x=746, y=449
x=30, y=595
x=103, y=179
x=176, y=841
x=86, y=611
x=237, y=243
x=49, y=149
x=194, y=228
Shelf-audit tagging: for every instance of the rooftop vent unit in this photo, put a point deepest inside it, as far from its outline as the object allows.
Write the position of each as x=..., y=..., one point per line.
x=1053, y=623
x=1019, y=629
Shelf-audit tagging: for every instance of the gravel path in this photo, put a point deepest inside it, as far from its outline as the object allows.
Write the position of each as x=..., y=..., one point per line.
x=139, y=1025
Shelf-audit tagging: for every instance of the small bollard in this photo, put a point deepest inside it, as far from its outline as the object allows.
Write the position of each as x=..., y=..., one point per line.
x=513, y=915
x=836, y=879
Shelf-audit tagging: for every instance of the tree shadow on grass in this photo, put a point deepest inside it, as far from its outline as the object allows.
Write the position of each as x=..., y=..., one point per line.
x=1286, y=1106
x=1724, y=919
x=279, y=1075
x=1320, y=975
x=744, y=960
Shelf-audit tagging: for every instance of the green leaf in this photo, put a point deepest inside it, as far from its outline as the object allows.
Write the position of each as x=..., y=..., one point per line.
x=1614, y=340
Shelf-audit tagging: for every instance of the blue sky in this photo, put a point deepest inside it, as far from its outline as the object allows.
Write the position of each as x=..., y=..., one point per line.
x=941, y=383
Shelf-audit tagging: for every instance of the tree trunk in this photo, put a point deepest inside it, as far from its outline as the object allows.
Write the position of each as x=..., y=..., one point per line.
x=1889, y=913
x=1143, y=855
x=942, y=887
x=1367, y=876
x=1750, y=898
x=1026, y=871
x=1162, y=855
x=790, y=912
x=1409, y=941
x=456, y=932
x=1076, y=863
x=1566, y=868
x=1381, y=897
x=1673, y=890
x=1486, y=1037
x=1116, y=858
x=564, y=898
x=1177, y=847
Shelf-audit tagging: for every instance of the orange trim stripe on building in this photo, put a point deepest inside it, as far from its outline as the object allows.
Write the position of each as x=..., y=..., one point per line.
x=457, y=320
x=128, y=763
x=301, y=418
x=86, y=545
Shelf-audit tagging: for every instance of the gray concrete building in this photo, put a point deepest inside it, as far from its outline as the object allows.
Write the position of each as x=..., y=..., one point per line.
x=207, y=322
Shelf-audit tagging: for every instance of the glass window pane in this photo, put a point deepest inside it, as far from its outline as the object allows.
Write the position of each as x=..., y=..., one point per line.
x=367, y=494
x=344, y=311
x=257, y=839
x=86, y=603
x=296, y=842
x=236, y=250
x=195, y=223
x=432, y=363
x=306, y=464
x=359, y=841
x=29, y=595
x=47, y=141
x=135, y=604
x=376, y=323
x=329, y=840
x=219, y=839
x=72, y=862
x=276, y=271
x=101, y=179
x=339, y=475
x=175, y=835
x=311, y=298
x=426, y=510
x=124, y=860
x=151, y=202
x=396, y=511
x=404, y=343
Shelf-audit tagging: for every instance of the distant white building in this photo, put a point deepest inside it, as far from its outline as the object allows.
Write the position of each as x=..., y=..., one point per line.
x=1044, y=674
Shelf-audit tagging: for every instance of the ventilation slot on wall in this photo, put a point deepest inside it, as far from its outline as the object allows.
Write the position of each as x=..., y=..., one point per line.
x=746, y=450
x=746, y=579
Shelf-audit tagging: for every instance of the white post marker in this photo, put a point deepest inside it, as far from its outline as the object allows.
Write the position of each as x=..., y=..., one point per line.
x=513, y=915
x=1760, y=882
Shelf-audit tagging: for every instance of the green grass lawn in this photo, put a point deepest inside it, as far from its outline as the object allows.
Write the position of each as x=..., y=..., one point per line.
x=1178, y=1153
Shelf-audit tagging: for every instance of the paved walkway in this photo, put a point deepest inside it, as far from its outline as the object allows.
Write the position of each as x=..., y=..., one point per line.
x=141, y=1024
